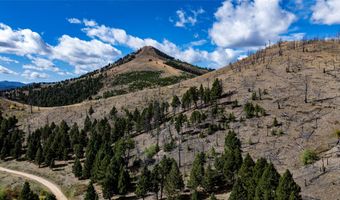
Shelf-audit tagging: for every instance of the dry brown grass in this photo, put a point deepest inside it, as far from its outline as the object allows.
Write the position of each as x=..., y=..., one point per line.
x=306, y=125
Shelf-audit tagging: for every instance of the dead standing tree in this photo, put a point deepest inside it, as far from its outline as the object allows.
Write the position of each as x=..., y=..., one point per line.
x=306, y=86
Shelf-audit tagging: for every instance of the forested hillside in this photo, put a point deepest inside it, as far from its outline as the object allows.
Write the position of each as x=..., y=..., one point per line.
x=105, y=152
x=145, y=68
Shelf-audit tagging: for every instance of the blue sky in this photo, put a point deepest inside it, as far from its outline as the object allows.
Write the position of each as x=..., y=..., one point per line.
x=43, y=41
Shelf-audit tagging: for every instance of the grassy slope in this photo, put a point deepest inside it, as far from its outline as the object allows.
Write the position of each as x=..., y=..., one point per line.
x=298, y=118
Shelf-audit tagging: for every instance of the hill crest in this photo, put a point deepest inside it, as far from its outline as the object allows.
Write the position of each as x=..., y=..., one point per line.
x=146, y=68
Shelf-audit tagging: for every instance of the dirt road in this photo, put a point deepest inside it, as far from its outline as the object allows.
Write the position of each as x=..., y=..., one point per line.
x=51, y=186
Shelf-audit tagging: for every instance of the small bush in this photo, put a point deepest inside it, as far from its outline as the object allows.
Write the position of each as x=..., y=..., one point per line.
x=309, y=157
x=169, y=146
x=337, y=133
x=151, y=151
x=275, y=122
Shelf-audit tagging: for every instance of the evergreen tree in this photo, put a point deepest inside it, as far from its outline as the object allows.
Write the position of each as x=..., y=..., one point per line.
x=268, y=183
x=87, y=123
x=17, y=150
x=91, y=193
x=207, y=98
x=110, y=181
x=50, y=196
x=88, y=164
x=123, y=181
x=197, y=172
x=175, y=103
x=164, y=168
x=259, y=168
x=209, y=179
x=91, y=111
x=25, y=193
x=232, y=161
x=174, y=182
x=143, y=184
x=39, y=158
x=245, y=176
x=287, y=188
x=195, y=195
x=113, y=112
x=231, y=142
x=216, y=90
x=156, y=180
x=239, y=191
x=77, y=168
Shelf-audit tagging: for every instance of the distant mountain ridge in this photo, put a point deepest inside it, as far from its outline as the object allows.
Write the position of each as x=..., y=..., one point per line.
x=6, y=85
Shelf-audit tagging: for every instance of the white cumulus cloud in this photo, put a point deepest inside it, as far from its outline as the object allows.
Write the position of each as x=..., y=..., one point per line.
x=4, y=70
x=84, y=55
x=41, y=64
x=326, y=12
x=34, y=75
x=21, y=42
x=249, y=23
x=183, y=18
x=116, y=36
x=8, y=60
x=73, y=20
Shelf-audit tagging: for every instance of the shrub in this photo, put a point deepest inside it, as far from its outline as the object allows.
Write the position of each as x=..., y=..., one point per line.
x=337, y=133
x=151, y=151
x=309, y=157
x=275, y=122
x=169, y=146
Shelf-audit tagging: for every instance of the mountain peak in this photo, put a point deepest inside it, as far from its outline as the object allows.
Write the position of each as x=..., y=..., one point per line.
x=150, y=51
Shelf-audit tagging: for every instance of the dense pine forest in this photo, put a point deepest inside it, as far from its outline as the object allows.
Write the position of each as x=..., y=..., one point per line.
x=64, y=93
x=102, y=152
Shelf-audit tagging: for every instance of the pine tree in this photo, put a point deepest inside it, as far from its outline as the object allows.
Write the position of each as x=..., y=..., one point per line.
x=216, y=90
x=231, y=164
x=123, y=180
x=239, y=192
x=110, y=181
x=175, y=103
x=245, y=176
x=231, y=141
x=287, y=188
x=50, y=196
x=259, y=168
x=87, y=123
x=91, y=111
x=91, y=193
x=113, y=112
x=174, y=182
x=156, y=180
x=209, y=179
x=39, y=158
x=195, y=195
x=17, y=149
x=25, y=193
x=77, y=168
x=164, y=168
x=197, y=172
x=88, y=164
x=268, y=183
x=143, y=184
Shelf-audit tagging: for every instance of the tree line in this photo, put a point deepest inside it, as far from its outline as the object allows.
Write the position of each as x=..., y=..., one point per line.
x=59, y=94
